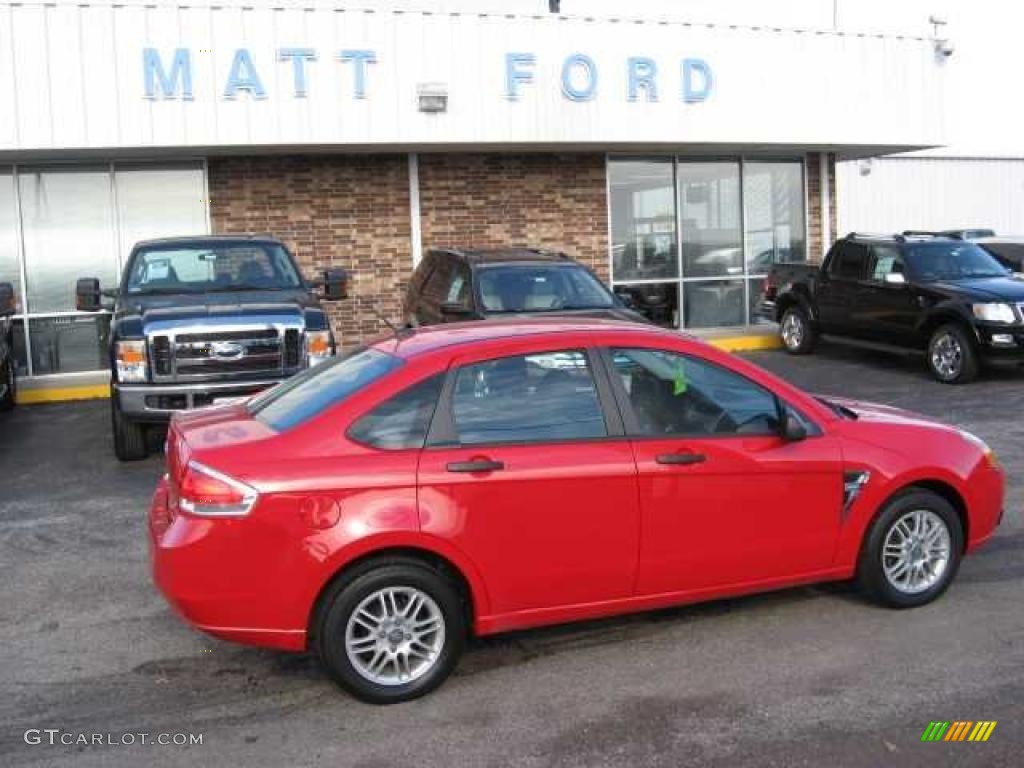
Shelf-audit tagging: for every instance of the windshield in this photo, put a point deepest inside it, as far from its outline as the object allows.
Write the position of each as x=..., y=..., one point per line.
x=951, y=261
x=541, y=288
x=309, y=393
x=212, y=267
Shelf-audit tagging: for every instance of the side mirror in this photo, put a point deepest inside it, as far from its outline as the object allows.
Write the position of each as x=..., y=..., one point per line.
x=790, y=428
x=454, y=309
x=8, y=300
x=895, y=278
x=87, y=295
x=334, y=283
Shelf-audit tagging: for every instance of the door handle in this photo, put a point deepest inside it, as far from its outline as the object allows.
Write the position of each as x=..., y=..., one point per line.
x=476, y=465
x=681, y=458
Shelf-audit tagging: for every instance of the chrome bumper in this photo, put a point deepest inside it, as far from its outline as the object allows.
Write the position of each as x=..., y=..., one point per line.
x=156, y=402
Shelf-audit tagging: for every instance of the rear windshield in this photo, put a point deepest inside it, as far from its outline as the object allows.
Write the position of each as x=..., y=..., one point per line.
x=212, y=267
x=951, y=261
x=541, y=288
x=308, y=394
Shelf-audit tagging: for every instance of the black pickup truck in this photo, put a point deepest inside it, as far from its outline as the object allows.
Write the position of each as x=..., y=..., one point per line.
x=8, y=384
x=944, y=296
x=202, y=320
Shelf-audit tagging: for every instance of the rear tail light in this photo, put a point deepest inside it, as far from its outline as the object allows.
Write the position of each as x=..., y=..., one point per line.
x=208, y=493
x=770, y=286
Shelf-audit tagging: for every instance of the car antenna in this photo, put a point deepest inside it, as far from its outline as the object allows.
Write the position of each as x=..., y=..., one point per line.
x=383, y=319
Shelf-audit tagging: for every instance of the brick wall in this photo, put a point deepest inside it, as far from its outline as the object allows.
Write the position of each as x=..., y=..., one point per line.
x=556, y=201
x=350, y=211
x=814, y=190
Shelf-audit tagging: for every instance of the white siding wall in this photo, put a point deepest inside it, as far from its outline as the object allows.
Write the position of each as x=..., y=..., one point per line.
x=931, y=193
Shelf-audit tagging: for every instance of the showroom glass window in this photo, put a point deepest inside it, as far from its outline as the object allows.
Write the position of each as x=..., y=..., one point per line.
x=82, y=221
x=10, y=269
x=693, y=238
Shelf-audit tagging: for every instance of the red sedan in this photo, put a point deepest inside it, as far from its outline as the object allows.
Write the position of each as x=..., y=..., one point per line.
x=488, y=477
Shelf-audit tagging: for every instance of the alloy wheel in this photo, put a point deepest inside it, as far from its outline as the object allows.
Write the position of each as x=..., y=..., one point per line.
x=916, y=552
x=792, y=330
x=947, y=356
x=395, y=635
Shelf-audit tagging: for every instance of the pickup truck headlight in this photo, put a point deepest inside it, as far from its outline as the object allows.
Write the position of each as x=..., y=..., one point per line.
x=995, y=312
x=318, y=346
x=130, y=357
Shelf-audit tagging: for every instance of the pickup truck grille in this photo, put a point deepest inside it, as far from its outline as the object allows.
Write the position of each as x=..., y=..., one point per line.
x=196, y=355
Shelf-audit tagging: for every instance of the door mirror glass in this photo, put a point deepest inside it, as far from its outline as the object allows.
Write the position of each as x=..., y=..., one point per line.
x=8, y=302
x=88, y=295
x=335, y=284
x=895, y=278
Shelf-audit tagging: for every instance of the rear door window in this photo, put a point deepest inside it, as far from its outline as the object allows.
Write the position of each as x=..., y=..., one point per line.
x=548, y=396
x=850, y=262
x=311, y=392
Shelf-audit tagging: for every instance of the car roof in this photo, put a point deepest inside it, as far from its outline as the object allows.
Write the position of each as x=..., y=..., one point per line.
x=165, y=242
x=901, y=238
x=413, y=342
x=482, y=256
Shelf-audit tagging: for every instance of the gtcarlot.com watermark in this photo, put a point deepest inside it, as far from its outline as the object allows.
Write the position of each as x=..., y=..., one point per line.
x=57, y=737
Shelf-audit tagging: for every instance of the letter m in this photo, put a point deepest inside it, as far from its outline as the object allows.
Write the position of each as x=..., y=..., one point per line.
x=157, y=78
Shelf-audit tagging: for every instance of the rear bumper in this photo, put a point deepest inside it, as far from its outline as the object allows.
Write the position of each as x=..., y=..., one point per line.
x=231, y=578
x=156, y=403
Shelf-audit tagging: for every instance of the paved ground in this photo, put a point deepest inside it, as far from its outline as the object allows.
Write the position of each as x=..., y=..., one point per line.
x=803, y=677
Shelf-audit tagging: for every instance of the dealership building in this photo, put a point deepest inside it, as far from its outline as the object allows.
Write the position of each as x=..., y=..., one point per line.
x=677, y=159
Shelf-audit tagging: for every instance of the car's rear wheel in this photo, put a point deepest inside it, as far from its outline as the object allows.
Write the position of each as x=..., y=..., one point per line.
x=912, y=551
x=952, y=357
x=129, y=436
x=8, y=385
x=392, y=631
x=796, y=331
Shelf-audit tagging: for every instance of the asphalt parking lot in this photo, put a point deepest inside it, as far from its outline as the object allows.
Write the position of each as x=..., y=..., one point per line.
x=811, y=676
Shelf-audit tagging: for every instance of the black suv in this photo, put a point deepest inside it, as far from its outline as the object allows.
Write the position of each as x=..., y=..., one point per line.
x=451, y=284
x=206, y=320
x=939, y=294
x=8, y=386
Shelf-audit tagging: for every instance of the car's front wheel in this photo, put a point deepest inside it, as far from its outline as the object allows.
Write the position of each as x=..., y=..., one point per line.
x=796, y=331
x=392, y=631
x=952, y=357
x=912, y=551
x=129, y=436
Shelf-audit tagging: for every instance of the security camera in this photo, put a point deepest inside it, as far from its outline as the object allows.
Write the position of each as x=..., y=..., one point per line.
x=944, y=48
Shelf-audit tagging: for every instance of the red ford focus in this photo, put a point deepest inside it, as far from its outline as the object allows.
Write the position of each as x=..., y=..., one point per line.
x=488, y=477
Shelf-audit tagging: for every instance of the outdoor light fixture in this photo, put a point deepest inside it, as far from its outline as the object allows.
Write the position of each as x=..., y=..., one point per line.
x=432, y=97
x=555, y=6
x=943, y=46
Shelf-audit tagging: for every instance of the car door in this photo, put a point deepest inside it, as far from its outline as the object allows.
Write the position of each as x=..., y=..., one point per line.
x=724, y=500
x=527, y=472
x=838, y=288
x=888, y=307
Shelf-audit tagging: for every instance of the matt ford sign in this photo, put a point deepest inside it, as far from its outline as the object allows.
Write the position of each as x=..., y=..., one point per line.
x=171, y=74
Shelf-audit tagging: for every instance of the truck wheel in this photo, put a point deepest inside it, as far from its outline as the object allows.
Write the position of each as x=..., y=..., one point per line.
x=952, y=358
x=392, y=631
x=796, y=331
x=129, y=437
x=912, y=550
x=8, y=382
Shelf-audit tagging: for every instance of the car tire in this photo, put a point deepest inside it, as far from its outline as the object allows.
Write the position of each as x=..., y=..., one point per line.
x=362, y=635
x=7, y=375
x=952, y=355
x=129, y=436
x=902, y=565
x=796, y=331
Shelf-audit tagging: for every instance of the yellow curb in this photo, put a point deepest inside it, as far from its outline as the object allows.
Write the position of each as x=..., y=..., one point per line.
x=62, y=394
x=746, y=343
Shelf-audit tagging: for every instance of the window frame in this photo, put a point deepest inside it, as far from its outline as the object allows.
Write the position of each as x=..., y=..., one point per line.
x=631, y=423
x=444, y=435
x=842, y=249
